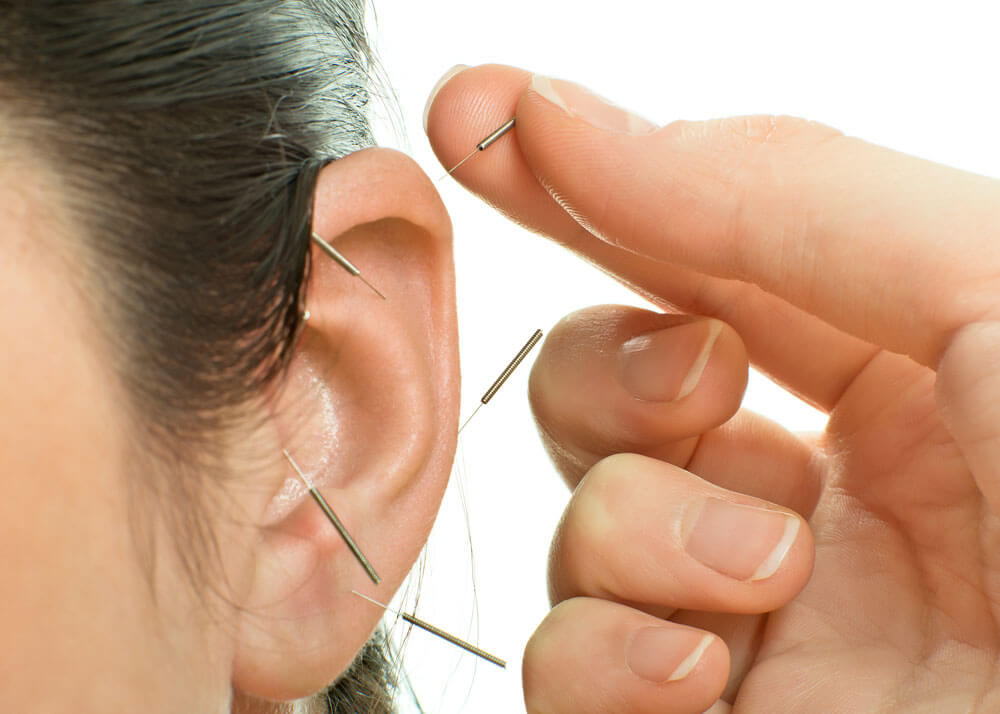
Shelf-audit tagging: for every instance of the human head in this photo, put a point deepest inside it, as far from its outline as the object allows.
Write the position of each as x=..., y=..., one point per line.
x=161, y=167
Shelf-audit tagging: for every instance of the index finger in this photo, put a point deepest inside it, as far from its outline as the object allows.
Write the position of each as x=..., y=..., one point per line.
x=897, y=251
x=816, y=361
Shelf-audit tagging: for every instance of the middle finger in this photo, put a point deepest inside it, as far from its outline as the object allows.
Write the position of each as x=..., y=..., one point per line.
x=656, y=537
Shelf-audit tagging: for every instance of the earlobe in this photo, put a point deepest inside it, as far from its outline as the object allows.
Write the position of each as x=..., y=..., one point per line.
x=368, y=409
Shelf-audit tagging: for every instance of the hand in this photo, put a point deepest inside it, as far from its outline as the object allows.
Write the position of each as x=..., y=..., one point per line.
x=865, y=281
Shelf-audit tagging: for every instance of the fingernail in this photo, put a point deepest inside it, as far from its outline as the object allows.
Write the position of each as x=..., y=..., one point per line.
x=743, y=542
x=665, y=654
x=667, y=365
x=437, y=88
x=592, y=108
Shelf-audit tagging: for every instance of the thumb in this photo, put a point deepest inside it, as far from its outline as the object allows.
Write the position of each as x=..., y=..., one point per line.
x=968, y=391
x=896, y=250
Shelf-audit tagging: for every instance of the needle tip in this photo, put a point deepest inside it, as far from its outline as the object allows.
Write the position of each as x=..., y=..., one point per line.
x=295, y=466
x=371, y=600
x=480, y=406
x=452, y=169
x=377, y=291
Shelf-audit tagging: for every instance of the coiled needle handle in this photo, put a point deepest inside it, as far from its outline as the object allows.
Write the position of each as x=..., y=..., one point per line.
x=505, y=375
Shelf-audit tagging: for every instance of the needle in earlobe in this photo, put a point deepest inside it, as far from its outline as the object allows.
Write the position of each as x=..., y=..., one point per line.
x=344, y=262
x=413, y=620
x=484, y=145
x=508, y=370
x=318, y=497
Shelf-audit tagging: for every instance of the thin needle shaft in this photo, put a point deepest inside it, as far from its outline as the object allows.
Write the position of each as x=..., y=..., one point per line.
x=476, y=411
x=505, y=375
x=318, y=497
x=413, y=620
x=344, y=263
x=485, y=143
x=453, y=168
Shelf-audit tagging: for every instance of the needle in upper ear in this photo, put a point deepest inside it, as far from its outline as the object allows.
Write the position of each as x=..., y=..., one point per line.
x=426, y=626
x=343, y=262
x=318, y=497
x=483, y=145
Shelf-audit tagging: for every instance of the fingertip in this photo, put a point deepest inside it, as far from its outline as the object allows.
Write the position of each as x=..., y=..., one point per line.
x=445, y=78
x=591, y=656
x=652, y=380
x=467, y=106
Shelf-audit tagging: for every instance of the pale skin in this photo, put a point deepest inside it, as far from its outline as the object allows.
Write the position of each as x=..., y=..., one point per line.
x=820, y=259
x=79, y=625
x=865, y=281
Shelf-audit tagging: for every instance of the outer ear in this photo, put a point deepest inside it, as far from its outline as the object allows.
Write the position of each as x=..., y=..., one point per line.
x=369, y=411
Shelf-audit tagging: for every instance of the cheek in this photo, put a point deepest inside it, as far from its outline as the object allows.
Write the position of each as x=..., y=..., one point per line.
x=74, y=599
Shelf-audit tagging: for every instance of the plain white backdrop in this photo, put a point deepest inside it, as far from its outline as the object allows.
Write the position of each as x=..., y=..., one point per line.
x=919, y=77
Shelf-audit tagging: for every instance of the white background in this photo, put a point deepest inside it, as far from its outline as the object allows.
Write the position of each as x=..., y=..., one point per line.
x=919, y=77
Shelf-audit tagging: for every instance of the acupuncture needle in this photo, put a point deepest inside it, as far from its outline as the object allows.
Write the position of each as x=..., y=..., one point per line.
x=508, y=370
x=344, y=263
x=426, y=626
x=318, y=497
x=484, y=144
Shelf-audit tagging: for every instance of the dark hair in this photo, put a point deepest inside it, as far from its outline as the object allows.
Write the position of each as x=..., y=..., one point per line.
x=188, y=135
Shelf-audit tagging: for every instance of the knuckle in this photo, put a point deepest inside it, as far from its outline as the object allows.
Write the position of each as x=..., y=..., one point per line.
x=601, y=481
x=583, y=553
x=735, y=134
x=751, y=168
x=544, y=645
x=766, y=158
x=544, y=654
x=773, y=130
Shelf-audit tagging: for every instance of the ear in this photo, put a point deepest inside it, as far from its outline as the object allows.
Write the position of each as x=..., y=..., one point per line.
x=369, y=411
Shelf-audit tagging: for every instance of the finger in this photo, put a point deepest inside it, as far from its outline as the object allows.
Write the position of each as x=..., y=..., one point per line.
x=968, y=390
x=741, y=633
x=813, y=359
x=593, y=657
x=644, y=532
x=613, y=379
x=596, y=347
x=760, y=458
x=898, y=251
